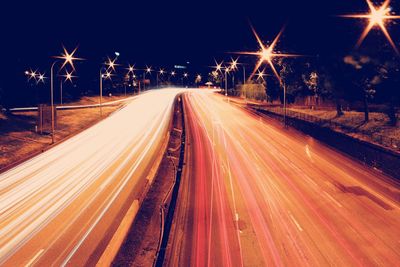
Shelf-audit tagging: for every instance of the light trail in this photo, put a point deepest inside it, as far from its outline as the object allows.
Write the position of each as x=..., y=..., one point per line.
x=300, y=202
x=62, y=206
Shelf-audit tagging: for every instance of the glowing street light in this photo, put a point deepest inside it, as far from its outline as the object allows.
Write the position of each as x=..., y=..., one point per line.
x=161, y=71
x=260, y=75
x=40, y=78
x=131, y=68
x=268, y=54
x=107, y=75
x=146, y=70
x=377, y=17
x=234, y=67
x=31, y=74
x=111, y=64
x=184, y=77
x=234, y=63
x=224, y=71
x=68, y=76
x=68, y=60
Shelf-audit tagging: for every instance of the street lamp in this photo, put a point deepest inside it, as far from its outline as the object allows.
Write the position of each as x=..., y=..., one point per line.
x=226, y=80
x=40, y=78
x=130, y=69
x=185, y=76
x=68, y=59
x=377, y=17
x=233, y=67
x=159, y=72
x=267, y=54
x=107, y=75
x=147, y=70
x=68, y=77
x=31, y=74
x=260, y=75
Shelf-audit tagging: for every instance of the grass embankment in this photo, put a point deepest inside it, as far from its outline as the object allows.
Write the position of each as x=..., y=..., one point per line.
x=19, y=140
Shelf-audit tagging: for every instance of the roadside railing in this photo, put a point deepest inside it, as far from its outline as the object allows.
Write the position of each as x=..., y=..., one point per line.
x=380, y=139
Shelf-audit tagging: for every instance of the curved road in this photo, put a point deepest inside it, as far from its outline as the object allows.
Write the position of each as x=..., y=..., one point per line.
x=63, y=206
x=255, y=194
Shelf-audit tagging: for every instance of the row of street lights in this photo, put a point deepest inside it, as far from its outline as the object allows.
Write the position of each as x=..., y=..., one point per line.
x=107, y=70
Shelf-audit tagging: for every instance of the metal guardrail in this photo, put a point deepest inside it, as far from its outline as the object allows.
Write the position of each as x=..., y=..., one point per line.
x=375, y=137
x=167, y=215
x=78, y=106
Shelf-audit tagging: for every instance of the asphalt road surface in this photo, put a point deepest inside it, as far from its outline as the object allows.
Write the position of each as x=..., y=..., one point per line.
x=256, y=194
x=63, y=206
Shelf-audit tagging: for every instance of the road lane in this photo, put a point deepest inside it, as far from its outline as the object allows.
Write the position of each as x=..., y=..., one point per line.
x=63, y=206
x=264, y=196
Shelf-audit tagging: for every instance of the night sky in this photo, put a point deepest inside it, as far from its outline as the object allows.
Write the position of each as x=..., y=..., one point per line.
x=164, y=33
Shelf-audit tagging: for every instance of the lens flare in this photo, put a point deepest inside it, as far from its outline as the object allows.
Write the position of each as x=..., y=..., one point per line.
x=378, y=17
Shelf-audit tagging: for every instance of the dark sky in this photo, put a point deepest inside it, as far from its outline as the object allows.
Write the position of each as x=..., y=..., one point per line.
x=161, y=33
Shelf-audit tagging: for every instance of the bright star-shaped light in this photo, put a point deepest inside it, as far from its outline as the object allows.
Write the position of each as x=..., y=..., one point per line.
x=185, y=75
x=68, y=76
x=40, y=78
x=148, y=69
x=218, y=66
x=107, y=75
x=161, y=71
x=68, y=58
x=260, y=75
x=378, y=16
x=131, y=68
x=31, y=74
x=173, y=73
x=267, y=53
x=234, y=63
x=111, y=64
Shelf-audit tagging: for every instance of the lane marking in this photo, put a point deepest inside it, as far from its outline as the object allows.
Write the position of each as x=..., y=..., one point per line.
x=30, y=263
x=333, y=200
x=295, y=222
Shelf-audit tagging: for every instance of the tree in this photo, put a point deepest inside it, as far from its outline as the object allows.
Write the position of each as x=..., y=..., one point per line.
x=290, y=78
x=365, y=78
x=390, y=72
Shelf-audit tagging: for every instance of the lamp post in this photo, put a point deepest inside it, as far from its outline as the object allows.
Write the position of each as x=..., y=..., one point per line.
x=161, y=72
x=37, y=76
x=68, y=59
x=128, y=75
x=267, y=54
x=68, y=77
x=226, y=84
x=106, y=75
x=147, y=70
x=185, y=76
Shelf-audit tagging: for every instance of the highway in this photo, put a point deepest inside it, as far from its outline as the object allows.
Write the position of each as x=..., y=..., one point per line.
x=63, y=206
x=256, y=194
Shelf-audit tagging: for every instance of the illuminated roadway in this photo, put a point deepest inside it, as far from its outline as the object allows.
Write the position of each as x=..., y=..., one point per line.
x=255, y=194
x=63, y=206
